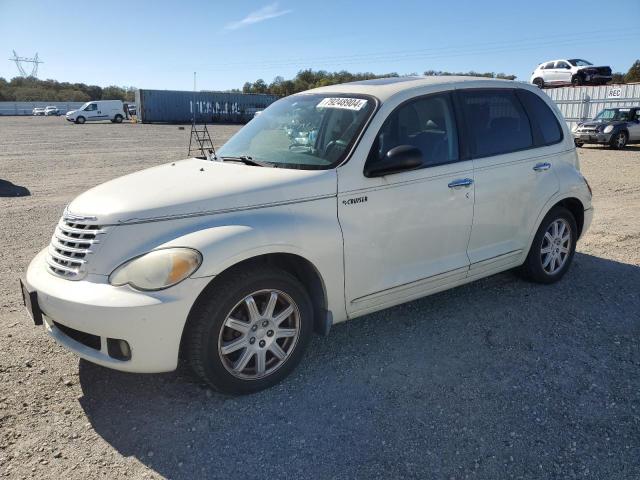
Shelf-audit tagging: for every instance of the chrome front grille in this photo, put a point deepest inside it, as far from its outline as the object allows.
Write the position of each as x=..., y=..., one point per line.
x=71, y=246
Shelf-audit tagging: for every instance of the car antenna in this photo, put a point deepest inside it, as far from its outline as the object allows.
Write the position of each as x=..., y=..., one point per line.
x=200, y=141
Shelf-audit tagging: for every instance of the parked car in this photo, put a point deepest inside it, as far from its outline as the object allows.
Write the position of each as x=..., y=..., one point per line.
x=38, y=111
x=412, y=186
x=574, y=71
x=98, y=110
x=616, y=127
x=51, y=110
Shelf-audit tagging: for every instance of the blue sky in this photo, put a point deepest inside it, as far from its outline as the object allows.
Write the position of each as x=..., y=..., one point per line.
x=160, y=44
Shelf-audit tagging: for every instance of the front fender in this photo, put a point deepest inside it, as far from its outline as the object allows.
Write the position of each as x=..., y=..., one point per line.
x=312, y=235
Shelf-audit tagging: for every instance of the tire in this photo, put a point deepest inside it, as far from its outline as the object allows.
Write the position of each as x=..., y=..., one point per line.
x=619, y=140
x=538, y=82
x=80, y=120
x=117, y=119
x=577, y=80
x=222, y=319
x=540, y=265
x=578, y=144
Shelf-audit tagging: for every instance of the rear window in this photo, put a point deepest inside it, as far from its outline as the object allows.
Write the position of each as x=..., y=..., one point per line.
x=543, y=120
x=497, y=122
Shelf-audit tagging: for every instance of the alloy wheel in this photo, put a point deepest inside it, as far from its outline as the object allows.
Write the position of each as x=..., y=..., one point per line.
x=556, y=246
x=259, y=334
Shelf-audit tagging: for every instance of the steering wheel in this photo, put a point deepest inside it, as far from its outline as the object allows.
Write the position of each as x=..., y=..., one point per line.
x=333, y=144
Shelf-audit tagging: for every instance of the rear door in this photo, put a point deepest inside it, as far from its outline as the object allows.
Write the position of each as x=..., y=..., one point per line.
x=513, y=178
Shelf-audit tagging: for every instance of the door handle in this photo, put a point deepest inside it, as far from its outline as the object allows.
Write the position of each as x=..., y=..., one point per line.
x=542, y=166
x=461, y=182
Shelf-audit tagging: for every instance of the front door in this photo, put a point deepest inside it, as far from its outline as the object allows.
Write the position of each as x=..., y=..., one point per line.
x=406, y=234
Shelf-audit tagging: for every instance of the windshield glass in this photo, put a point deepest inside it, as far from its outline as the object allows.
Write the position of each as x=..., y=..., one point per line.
x=613, y=114
x=308, y=131
x=577, y=62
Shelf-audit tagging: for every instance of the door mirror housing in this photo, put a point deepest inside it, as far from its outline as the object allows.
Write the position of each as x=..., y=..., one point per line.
x=398, y=159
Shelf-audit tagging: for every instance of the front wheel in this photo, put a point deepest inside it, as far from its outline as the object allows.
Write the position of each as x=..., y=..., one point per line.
x=538, y=82
x=249, y=332
x=619, y=140
x=553, y=247
x=577, y=81
x=80, y=120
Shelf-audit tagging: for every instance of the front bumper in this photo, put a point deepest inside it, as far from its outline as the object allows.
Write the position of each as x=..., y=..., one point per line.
x=150, y=322
x=592, y=137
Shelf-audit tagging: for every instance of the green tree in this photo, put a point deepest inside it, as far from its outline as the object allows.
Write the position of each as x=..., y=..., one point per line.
x=633, y=75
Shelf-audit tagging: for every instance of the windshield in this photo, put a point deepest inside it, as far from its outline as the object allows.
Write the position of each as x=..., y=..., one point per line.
x=613, y=114
x=577, y=62
x=307, y=131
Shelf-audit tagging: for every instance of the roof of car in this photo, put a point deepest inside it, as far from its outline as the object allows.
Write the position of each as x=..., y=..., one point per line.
x=383, y=88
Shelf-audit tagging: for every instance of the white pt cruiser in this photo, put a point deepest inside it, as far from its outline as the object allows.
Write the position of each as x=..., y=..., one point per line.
x=332, y=204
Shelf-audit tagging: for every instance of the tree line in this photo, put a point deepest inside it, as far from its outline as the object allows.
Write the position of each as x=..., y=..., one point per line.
x=31, y=89
x=306, y=79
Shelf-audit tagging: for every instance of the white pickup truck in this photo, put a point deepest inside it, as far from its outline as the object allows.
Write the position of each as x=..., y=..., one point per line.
x=331, y=204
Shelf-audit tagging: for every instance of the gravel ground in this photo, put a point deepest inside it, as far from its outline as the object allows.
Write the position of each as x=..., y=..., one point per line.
x=497, y=379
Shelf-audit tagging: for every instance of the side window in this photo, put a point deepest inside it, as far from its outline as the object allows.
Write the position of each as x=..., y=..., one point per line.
x=497, y=122
x=542, y=118
x=428, y=124
x=562, y=64
x=548, y=66
x=91, y=107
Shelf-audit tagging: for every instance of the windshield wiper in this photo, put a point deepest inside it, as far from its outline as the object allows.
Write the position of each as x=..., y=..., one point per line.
x=247, y=160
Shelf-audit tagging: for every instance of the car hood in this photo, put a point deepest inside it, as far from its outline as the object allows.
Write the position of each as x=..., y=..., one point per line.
x=199, y=187
x=596, y=123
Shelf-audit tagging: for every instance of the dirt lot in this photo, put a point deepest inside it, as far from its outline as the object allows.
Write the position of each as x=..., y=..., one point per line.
x=498, y=379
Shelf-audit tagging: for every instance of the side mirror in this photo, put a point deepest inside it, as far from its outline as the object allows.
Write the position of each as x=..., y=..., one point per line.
x=398, y=159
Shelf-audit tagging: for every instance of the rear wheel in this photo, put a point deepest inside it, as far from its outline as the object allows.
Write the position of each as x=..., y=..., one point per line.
x=117, y=119
x=553, y=247
x=619, y=140
x=80, y=120
x=250, y=332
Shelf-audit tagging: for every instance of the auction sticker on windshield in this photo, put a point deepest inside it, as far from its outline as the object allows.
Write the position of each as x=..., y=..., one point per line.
x=342, y=102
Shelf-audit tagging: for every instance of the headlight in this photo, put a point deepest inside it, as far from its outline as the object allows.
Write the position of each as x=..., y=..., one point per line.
x=608, y=129
x=157, y=269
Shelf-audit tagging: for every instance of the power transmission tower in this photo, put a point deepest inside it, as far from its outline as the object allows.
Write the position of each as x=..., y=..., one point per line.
x=20, y=60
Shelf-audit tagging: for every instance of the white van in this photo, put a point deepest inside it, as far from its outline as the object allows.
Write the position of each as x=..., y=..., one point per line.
x=98, y=110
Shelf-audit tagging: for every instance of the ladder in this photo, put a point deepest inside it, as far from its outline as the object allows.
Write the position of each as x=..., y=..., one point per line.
x=200, y=142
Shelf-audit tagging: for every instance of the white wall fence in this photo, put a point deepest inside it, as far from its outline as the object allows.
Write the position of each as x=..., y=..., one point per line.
x=578, y=104
x=26, y=108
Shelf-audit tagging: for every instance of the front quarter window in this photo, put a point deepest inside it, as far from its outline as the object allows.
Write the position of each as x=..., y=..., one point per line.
x=305, y=131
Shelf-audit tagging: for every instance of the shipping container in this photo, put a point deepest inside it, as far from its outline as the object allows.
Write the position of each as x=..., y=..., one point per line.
x=578, y=104
x=170, y=106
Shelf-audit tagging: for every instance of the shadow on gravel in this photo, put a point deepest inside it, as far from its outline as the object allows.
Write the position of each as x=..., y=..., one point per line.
x=497, y=379
x=8, y=189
